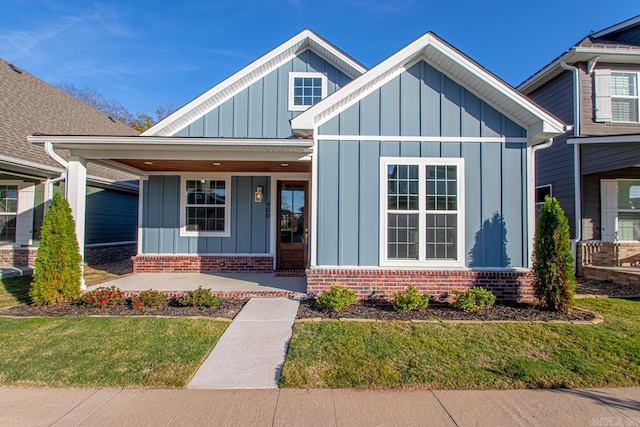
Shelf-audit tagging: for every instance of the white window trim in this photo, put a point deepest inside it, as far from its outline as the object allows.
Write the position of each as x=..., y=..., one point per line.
x=542, y=186
x=23, y=214
x=636, y=97
x=460, y=212
x=293, y=76
x=183, y=206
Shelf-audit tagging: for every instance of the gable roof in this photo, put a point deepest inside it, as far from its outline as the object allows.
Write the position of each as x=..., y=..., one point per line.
x=453, y=63
x=601, y=44
x=234, y=84
x=28, y=105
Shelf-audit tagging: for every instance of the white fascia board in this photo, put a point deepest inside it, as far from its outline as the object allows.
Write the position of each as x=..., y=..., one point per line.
x=32, y=166
x=396, y=62
x=155, y=141
x=619, y=139
x=617, y=27
x=544, y=72
x=251, y=73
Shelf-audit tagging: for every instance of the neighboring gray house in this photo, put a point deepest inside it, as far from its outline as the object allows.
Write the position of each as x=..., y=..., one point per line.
x=593, y=170
x=29, y=177
x=417, y=171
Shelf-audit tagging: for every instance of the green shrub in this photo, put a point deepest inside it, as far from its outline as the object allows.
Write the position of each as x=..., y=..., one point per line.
x=102, y=297
x=148, y=298
x=474, y=299
x=200, y=298
x=57, y=265
x=336, y=298
x=410, y=300
x=554, y=279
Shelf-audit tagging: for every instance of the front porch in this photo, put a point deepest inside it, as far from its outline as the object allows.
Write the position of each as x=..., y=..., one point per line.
x=229, y=285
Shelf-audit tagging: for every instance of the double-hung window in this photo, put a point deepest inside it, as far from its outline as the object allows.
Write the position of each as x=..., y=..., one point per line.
x=422, y=212
x=306, y=89
x=206, y=207
x=624, y=97
x=8, y=212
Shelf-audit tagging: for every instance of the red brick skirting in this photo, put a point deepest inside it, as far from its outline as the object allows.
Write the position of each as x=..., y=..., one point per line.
x=382, y=283
x=201, y=264
x=19, y=257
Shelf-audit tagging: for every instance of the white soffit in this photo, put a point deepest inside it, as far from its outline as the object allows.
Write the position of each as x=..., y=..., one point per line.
x=452, y=63
x=237, y=82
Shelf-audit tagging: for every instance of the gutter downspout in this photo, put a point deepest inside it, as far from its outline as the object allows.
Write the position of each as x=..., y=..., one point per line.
x=48, y=148
x=577, y=176
x=531, y=190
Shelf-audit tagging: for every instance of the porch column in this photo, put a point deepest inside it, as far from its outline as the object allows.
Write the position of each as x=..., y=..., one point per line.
x=76, y=189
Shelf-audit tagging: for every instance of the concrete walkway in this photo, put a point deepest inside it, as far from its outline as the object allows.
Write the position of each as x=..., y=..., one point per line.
x=179, y=407
x=251, y=352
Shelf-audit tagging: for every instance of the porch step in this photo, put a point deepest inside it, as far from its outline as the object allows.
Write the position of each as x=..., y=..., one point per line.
x=251, y=352
x=11, y=272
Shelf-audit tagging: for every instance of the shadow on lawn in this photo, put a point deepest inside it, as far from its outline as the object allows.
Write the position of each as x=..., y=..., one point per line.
x=18, y=288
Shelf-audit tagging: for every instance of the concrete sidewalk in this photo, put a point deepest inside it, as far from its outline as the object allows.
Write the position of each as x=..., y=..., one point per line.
x=251, y=352
x=180, y=407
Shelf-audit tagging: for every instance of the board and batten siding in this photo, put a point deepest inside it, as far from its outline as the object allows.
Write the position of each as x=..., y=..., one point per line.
x=421, y=102
x=555, y=165
x=161, y=219
x=262, y=110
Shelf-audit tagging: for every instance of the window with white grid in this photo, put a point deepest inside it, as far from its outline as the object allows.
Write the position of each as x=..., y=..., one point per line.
x=306, y=89
x=205, y=207
x=8, y=212
x=624, y=97
x=421, y=206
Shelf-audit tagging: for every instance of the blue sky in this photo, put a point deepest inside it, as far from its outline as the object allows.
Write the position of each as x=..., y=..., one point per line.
x=149, y=53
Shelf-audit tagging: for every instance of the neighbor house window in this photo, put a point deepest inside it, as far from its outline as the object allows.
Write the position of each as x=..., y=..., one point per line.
x=306, y=89
x=8, y=211
x=422, y=209
x=205, y=207
x=624, y=97
x=542, y=192
x=628, y=210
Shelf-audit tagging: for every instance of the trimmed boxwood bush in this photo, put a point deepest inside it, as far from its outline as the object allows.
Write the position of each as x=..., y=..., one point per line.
x=410, y=300
x=554, y=277
x=57, y=266
x=336, y=298
x=474, y=299
x=199, y=298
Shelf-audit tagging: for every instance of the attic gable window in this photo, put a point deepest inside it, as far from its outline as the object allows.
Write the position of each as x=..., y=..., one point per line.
x=624, y=97
x=306, y=89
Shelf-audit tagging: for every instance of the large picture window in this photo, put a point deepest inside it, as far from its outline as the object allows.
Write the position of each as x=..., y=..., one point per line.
x=205, y=207
x=8, y=212
x=422, y=211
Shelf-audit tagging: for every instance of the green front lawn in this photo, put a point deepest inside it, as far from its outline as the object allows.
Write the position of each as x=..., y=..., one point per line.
x=104, y=351
x=14, y=291
x=446, y=356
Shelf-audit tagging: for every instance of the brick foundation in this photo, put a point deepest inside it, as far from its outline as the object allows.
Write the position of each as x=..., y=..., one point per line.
x=619, y=276
x=382, y=283
x=103, y=254
x=19, y=257
x=607, y=254
x=201, y=264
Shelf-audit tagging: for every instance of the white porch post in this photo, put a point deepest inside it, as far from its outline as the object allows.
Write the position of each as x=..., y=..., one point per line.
x=76, y=188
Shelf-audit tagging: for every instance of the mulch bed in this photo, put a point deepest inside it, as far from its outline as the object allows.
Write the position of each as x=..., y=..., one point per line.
x=384, y=311
x=228, y=308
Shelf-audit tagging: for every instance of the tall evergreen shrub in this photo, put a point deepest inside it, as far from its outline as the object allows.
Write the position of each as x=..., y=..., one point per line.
x=554, y=276
x=57, y=272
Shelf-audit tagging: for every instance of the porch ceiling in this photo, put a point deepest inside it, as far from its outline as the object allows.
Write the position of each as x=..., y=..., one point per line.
x=151, y=165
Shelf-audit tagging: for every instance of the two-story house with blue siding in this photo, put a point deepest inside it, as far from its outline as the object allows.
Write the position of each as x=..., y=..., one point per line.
x=593, y=170
x=417, y=171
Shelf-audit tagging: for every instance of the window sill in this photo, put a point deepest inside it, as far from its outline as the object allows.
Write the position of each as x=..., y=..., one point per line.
x=422, y=264
x=184, y=233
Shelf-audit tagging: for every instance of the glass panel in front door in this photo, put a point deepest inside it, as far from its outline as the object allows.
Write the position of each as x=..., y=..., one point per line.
x=292, y=213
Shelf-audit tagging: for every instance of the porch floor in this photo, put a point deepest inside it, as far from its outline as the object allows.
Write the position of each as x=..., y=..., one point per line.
x=258, y=284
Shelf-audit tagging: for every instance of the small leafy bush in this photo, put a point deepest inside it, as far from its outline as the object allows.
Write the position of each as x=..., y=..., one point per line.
x=410, y=300
x=200, y=298
x=102, y=297
x=474, y=299
x=148, y=298
x=336, y=298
